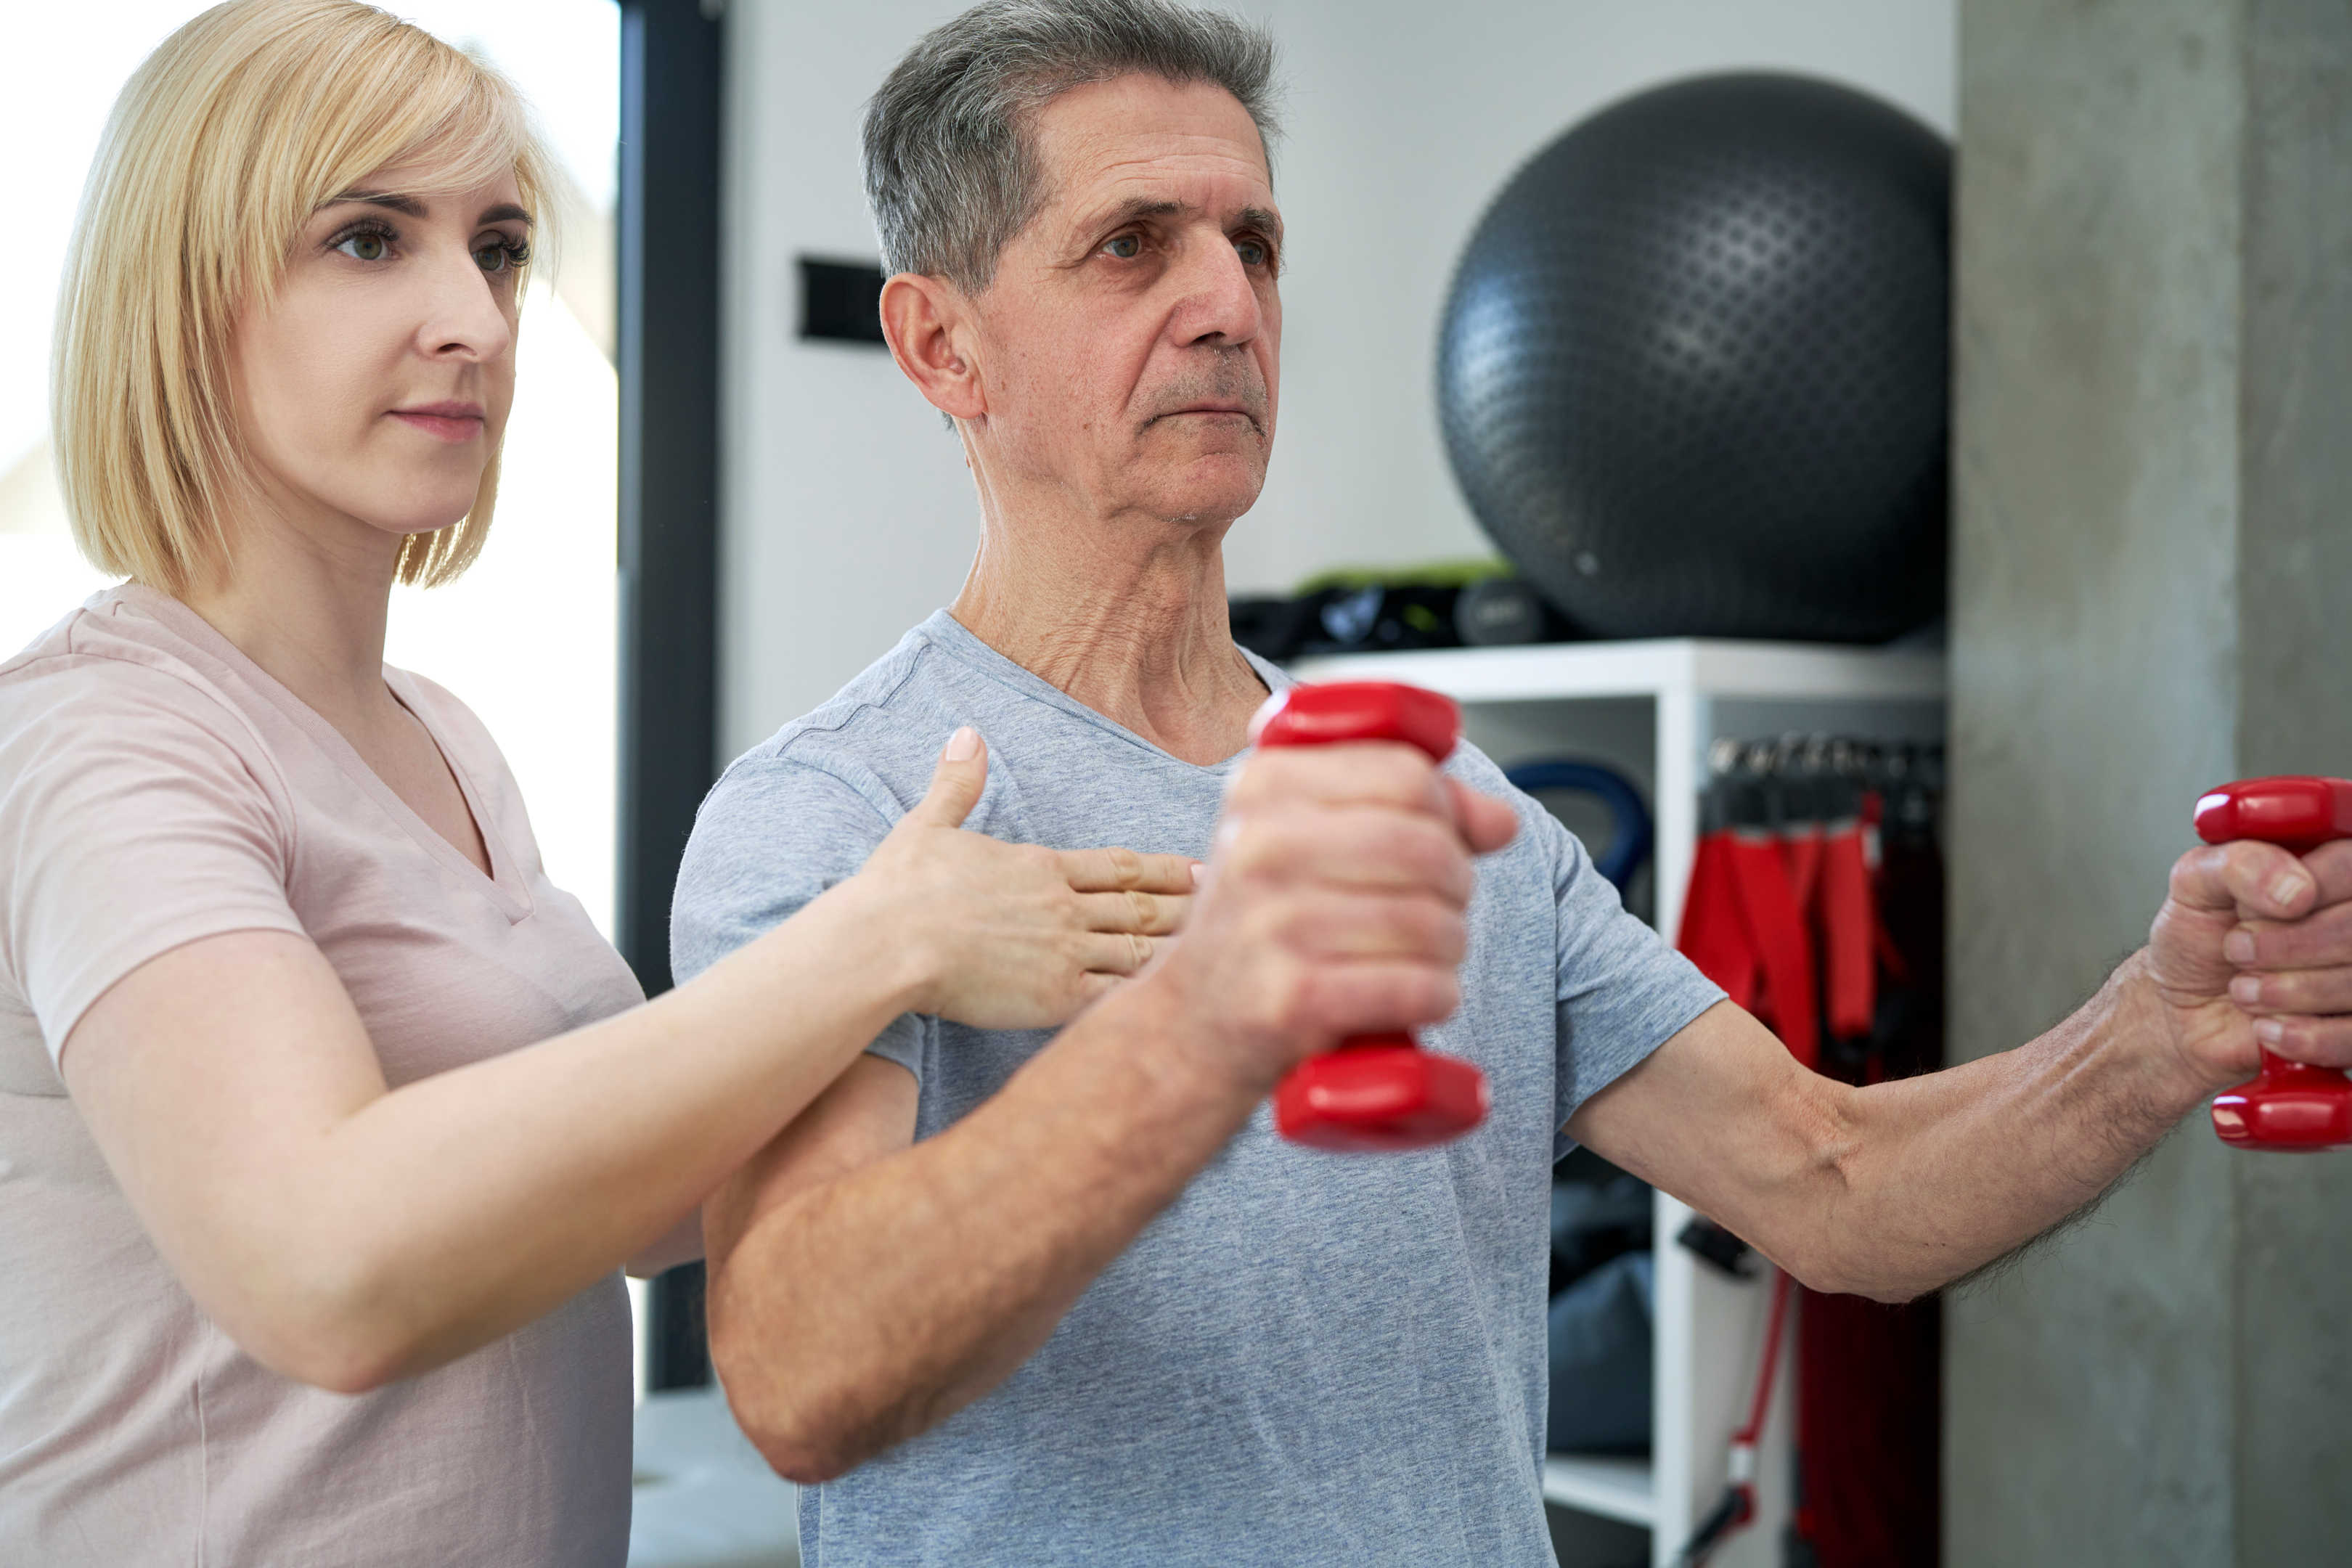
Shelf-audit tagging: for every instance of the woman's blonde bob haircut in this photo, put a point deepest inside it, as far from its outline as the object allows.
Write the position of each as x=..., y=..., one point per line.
x=231, y=134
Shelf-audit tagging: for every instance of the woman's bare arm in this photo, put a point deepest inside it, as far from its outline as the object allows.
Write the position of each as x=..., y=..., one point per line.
x=346, y=1235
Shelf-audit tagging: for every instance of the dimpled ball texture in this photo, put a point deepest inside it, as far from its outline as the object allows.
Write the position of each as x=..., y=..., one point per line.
x=1693, y=367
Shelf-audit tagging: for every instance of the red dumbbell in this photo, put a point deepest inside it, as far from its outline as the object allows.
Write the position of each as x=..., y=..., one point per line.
x=2287, y=1106
x=1376, y=1093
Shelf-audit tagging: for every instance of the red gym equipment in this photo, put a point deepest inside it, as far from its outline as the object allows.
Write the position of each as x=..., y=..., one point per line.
x=1375, y=1094
x=2288, y=1107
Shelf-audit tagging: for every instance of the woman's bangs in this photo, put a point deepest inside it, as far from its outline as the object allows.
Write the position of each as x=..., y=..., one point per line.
x=452, y=118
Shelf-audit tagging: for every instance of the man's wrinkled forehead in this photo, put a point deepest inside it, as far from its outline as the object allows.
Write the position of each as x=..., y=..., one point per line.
x=1144, y=147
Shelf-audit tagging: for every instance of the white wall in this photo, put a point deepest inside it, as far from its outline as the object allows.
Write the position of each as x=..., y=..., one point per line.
x=849, y=516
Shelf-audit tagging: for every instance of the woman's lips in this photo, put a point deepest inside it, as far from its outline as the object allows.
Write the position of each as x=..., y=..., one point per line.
x=452, y=427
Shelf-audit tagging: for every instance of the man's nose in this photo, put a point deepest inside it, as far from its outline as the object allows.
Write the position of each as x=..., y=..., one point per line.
x=1219, y=302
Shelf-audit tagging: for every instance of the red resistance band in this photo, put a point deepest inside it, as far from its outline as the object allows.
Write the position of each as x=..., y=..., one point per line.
x=1780, y=893
x=1790, y=901
x=1869, y=1382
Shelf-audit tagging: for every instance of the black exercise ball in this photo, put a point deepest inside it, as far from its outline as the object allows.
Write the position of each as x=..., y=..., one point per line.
x=1693, y=370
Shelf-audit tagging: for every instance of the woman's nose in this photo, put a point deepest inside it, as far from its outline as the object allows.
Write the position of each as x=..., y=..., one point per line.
x=464, y=315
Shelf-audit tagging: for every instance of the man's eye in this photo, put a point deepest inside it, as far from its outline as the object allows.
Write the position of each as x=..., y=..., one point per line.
x=1252, y=253
x=499, y=257
x=1127, y=246
x=365, y=246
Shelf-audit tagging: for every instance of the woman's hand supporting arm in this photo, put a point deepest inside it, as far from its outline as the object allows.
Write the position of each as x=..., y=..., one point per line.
x=346, y=1235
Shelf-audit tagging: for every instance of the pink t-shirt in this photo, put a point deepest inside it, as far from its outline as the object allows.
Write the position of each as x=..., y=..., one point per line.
x=157, y=787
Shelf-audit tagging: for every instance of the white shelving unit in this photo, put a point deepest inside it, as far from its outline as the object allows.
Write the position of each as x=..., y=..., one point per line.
x=1651, y=709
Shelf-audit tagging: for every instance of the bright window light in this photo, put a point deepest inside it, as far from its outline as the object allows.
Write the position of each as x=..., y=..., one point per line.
x=527, y=636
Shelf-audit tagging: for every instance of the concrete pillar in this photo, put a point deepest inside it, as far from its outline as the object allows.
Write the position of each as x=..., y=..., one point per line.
x=2153, y=592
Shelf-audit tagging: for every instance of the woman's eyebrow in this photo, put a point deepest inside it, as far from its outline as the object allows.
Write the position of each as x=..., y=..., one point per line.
x=408, y=205
x=503, y=212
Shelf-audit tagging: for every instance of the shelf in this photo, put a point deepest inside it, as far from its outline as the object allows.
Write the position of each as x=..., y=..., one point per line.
x=1550, y=671
x=1611, y=1488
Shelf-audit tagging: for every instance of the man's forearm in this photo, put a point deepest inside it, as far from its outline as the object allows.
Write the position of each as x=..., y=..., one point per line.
x=1894, y=1190
x=869, y=1306
x=1945, y=1173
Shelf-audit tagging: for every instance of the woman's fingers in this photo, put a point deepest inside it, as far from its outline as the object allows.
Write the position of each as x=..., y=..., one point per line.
x=1114, y=869
x=1109, y=954
x=1092, y=987
x=960, y=773
x=1328, y=925
x=1145, y=914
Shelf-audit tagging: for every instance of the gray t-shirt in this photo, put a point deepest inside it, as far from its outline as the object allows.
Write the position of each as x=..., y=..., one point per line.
x=1308, y=1359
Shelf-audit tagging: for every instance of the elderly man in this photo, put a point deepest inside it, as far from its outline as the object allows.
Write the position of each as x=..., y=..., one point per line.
x=1032, y=1299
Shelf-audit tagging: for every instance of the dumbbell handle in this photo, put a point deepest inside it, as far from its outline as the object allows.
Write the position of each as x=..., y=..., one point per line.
x=1375, y=1093
x=2287, y=1106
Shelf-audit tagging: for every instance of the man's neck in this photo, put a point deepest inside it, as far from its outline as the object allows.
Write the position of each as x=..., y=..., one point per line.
x=1136, y=631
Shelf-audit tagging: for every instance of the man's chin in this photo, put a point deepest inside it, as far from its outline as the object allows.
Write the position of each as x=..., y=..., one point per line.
x=1191, y=499
x=1200, y=470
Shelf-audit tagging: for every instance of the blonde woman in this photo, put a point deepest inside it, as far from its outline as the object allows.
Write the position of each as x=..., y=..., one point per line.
x=325, y=1120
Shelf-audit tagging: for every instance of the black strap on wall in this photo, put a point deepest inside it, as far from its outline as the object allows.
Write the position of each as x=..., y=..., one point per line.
x=668, y=361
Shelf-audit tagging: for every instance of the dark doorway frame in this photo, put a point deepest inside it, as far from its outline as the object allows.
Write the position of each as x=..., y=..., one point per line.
x=672, y=58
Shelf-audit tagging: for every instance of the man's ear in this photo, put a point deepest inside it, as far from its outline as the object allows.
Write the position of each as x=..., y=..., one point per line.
x=930, y=325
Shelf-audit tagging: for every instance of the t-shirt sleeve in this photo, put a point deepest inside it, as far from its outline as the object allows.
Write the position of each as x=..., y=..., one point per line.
x=1623, y=992
x=773, y=835
x=135, y=817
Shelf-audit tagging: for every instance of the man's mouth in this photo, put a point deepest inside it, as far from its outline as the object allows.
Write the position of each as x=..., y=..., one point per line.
x=1212, y=411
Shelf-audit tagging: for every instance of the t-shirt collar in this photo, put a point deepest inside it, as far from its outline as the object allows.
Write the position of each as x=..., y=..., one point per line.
x=955, y=639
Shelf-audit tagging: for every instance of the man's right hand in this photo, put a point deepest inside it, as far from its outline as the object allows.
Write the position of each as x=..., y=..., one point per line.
x=1333, y=905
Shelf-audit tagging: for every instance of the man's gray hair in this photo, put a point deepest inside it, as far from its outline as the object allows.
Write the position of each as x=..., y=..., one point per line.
x=952, y=171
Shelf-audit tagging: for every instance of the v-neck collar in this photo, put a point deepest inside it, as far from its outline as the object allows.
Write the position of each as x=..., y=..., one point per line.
x=955, y=639
x=504, y=887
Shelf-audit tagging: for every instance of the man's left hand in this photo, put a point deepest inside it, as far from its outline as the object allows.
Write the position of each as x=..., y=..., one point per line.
x=2253, y=947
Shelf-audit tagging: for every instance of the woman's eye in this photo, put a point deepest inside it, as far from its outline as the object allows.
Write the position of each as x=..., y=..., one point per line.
x=1127, y=246
x=365, y=246
x=499, y=257
x=1252, y=253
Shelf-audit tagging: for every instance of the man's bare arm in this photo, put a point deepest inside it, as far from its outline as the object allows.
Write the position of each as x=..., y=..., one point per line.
x=1894, y=1190
x=869, y=1294
x=863, y=1289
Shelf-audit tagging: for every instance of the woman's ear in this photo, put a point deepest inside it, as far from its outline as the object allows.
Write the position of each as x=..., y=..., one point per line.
x=929, y=326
